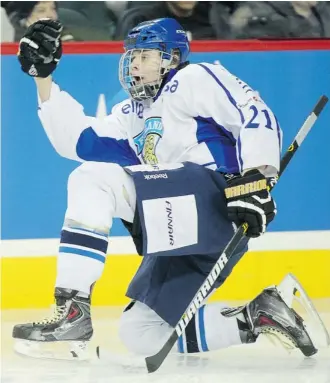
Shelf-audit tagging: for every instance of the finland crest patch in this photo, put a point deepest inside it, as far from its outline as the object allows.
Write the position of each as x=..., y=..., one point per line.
x=148, y=139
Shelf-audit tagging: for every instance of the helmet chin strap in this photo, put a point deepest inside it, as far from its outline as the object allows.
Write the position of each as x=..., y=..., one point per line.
x=144, y=92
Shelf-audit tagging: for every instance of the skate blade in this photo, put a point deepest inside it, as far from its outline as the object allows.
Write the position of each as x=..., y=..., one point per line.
x=77, y=351
x=294, y=295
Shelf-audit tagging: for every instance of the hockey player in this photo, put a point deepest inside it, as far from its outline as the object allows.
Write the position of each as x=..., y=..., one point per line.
x=181, y=123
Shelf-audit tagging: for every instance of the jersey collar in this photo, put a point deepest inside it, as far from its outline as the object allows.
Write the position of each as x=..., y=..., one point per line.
x=169, y=77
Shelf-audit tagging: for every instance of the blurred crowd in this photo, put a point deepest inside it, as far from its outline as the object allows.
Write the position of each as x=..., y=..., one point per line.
x=203, y=20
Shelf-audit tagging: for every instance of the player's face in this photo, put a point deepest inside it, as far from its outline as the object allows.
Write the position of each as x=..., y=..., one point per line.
x=145, y=66
x=141, y=71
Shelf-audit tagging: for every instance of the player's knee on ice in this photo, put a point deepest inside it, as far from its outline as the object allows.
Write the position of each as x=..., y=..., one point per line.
x=143, y=331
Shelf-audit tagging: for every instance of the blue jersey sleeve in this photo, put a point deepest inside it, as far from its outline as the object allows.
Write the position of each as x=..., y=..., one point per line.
x=91, y=147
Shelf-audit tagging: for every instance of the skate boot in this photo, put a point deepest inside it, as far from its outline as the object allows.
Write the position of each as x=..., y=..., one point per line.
x=62, y=336
x=270, y=313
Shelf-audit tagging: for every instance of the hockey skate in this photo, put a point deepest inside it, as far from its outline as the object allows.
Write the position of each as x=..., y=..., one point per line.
x=65, y=335
x=271, y=314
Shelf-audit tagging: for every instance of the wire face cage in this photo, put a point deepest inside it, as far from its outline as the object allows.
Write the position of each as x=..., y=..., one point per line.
x=141, y=71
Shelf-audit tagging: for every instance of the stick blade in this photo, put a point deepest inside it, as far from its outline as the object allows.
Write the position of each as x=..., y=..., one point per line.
x=155, y=361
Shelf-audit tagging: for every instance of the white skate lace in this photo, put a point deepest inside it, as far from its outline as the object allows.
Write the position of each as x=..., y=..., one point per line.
x=59, y=313
x=285, y=339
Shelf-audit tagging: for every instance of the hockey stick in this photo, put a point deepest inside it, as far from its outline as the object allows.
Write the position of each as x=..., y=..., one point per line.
x=155, y=361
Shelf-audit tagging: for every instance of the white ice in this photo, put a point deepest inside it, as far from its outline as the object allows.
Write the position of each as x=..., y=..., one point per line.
x=257, y=363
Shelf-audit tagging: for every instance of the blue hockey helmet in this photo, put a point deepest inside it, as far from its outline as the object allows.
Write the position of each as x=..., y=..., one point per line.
x=141, y=72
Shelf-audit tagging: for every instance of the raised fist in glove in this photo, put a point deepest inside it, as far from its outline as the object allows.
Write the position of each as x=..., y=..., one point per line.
x=250, y=201
x=40, y=49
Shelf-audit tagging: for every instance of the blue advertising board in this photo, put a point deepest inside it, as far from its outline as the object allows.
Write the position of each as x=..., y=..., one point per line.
x=34, y=176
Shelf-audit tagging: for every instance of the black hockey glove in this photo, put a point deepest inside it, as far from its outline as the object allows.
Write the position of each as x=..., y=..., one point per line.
x=40, y=48
x=250, y=201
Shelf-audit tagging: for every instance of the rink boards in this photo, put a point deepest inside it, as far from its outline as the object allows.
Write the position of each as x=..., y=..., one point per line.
x=290, y=76
x=29, y=269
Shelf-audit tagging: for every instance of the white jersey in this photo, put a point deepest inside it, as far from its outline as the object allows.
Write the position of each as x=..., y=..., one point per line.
x=203, y=114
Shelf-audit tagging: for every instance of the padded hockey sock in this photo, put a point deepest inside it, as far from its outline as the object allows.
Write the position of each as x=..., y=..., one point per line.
x=81, y=258
x=209, y=330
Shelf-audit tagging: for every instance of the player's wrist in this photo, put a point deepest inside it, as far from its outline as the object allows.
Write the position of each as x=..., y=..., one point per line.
x=43, y=80
x=268, y=171
x=44, y=87
x=261, y=169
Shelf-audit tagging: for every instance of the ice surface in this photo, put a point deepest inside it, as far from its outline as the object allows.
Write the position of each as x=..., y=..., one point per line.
x=257, y=363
